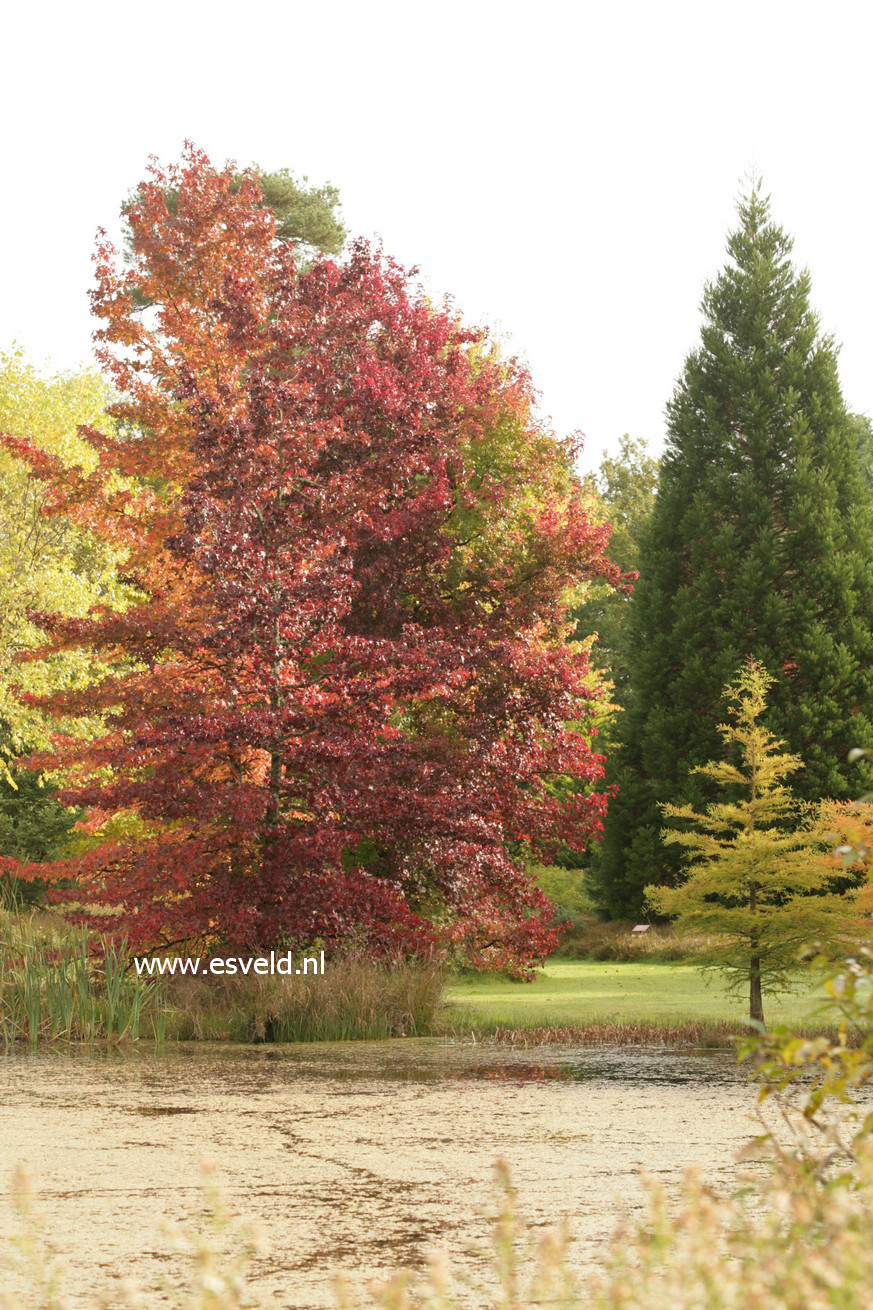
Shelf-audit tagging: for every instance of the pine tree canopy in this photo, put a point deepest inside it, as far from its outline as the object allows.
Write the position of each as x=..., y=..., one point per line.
x=760, y=546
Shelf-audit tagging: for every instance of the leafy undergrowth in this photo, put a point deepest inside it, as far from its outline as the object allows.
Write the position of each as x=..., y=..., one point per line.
x=590, y=939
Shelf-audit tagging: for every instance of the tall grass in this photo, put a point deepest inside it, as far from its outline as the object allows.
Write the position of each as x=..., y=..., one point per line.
x=356, y=998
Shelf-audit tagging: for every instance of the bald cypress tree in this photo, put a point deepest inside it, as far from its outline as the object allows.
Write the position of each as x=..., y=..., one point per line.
x=760, y=546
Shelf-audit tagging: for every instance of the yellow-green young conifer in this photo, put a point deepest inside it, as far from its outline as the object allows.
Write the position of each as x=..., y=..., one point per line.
x=757, y=882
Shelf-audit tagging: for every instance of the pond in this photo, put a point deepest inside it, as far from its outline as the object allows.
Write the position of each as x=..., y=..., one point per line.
x=359, y=1157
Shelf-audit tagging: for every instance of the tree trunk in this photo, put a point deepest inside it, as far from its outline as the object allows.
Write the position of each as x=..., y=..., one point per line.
x=755, y=998
x=273, y=810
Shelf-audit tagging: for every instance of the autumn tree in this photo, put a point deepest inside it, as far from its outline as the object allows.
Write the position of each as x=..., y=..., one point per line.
x=760, y=544
x=306, y=216
x=759, y=882
x=344, y=688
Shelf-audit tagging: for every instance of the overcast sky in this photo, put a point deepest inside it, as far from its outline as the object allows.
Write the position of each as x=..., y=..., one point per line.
x=566, y=171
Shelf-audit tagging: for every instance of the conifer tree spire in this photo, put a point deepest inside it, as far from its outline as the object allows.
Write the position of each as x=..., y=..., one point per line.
x=760, y=546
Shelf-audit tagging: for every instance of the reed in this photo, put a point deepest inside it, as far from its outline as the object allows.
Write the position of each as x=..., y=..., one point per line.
x=64, y=984
x=688, y=1035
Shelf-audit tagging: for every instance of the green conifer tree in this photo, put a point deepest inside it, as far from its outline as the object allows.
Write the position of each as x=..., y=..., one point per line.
x=760, y=545
x=759, y=882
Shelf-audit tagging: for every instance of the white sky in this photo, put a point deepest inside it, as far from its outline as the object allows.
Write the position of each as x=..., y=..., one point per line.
x=567, y=172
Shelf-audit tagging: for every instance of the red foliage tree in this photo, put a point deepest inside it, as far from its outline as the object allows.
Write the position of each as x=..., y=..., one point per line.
x=343, y=688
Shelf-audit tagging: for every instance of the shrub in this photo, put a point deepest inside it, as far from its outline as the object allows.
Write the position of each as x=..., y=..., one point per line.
x=593, y=940
x=565, y=888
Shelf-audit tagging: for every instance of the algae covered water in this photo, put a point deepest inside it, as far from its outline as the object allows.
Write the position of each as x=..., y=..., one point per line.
x=357, y=1157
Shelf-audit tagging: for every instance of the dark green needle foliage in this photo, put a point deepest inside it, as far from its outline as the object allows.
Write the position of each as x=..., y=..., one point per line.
x=864, y=432
x=305, y=215
x=760, y=546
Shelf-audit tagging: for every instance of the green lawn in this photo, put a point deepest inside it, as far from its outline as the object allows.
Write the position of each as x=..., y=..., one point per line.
x=569, y=993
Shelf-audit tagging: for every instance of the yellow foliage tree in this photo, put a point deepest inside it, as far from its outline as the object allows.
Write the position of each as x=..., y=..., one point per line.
x=46, y=564
x=759, y=880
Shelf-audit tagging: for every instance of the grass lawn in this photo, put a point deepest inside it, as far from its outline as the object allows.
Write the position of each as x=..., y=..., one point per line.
x=571, y=993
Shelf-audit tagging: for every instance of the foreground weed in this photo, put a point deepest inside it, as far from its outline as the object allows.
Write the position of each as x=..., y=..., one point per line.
x=27, y=1255
x=212, y=1255
x=792, y=1240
